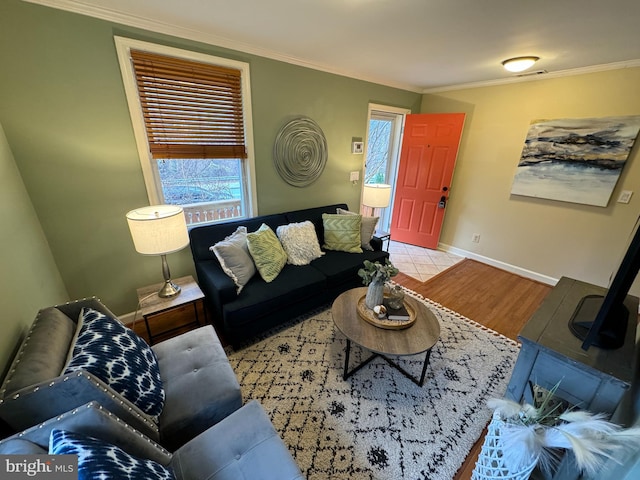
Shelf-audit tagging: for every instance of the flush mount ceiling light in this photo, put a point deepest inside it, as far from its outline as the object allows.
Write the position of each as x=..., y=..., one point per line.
x=519, y=64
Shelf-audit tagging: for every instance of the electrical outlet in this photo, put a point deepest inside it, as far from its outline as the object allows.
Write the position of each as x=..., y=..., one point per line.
x=475, y=238
x=625, y=196
x=354, y=176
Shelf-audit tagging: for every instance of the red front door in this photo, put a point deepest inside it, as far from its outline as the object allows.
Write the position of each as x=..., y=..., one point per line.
x=428, y=156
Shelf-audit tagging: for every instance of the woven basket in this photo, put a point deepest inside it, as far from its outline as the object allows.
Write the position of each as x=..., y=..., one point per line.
x=490, y=464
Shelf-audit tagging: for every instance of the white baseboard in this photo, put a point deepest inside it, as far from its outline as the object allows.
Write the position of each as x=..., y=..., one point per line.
x=523, y=272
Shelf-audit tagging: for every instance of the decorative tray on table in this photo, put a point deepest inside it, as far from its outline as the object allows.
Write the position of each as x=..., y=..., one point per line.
x=369, y=315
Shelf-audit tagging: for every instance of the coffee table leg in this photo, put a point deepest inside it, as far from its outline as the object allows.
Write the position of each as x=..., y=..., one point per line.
x=345, y=375
x=407, y=374
x=424, y=367
x=348, y=373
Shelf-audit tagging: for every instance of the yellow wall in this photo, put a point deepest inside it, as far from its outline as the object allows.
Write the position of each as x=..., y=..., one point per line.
x=550, y=238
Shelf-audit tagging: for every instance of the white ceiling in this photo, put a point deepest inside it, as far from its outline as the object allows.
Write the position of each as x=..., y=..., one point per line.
x=413, y=44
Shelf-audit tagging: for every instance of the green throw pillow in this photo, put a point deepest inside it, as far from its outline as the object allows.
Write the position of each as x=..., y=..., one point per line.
x=267, y=252
x=342, y=232
x=367, y=228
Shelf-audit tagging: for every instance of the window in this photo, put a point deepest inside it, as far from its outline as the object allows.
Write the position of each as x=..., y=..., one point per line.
x=384, y=140
x=191, y=115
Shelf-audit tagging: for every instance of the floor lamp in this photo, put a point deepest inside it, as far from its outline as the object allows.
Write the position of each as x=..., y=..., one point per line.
x=376, y=195
x=159, y=230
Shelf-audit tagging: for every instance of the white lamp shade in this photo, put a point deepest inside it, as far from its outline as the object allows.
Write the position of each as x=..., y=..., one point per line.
x=376, y=195
x=158, y=229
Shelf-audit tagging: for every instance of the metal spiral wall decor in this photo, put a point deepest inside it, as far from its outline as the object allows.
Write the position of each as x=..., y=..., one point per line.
x=300, y=152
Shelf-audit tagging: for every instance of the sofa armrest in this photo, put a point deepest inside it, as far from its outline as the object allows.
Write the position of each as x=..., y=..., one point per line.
x=217, y=286
x=89, y=419
x=376, y=243
x=53, y=397
x=73, y=309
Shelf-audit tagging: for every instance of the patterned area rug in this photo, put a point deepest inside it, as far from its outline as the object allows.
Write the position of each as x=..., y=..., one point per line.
x=377, y=424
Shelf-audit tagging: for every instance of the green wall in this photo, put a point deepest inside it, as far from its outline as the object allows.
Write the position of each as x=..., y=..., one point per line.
x=65, y=115
x=30, y=279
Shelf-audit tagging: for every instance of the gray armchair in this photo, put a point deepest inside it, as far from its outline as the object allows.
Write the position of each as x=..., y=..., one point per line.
x=199, y=385
x=243, y=446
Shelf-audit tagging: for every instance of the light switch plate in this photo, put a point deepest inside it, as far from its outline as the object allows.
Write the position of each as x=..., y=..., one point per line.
x=625, y=196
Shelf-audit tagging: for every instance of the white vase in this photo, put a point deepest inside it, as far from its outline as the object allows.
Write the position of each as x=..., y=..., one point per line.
x=375, y=293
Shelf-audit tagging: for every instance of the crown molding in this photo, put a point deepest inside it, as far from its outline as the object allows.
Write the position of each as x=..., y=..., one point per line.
x=208, y=38
x=543, y=76
x=76, y=6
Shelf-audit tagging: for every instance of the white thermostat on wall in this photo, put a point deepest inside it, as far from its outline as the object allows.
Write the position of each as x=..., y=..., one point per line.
x=357, y=147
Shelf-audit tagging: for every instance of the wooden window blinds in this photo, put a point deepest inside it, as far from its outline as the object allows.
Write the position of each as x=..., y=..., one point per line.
x=190, y=109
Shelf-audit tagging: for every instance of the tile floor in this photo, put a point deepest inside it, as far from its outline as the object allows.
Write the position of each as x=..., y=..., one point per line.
x=420, y=263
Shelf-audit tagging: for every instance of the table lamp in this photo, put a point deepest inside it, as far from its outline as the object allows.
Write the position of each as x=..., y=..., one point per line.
x=376, y=195
x=159, y=230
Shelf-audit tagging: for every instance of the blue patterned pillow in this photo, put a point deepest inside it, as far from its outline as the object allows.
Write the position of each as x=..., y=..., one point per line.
x=120, y=358
x=101, y=460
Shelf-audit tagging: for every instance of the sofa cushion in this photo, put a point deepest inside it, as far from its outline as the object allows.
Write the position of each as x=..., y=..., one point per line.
x=367, y=228
x=314, y=215
x=267, y=252
x=234, y=257
x=342, y=267
x=260, y=299
x=200, y=385
x=244, y=445
x=300, y=242
x=99, y=459
x=43, y=352
x=202, y=237
x=120, y=358
x=342, y=232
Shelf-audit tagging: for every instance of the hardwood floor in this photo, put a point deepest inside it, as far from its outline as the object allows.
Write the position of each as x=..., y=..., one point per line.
x=495, y=298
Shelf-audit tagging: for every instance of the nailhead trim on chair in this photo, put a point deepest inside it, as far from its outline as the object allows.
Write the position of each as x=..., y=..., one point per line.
x=109, y=414
x=147, y=421
x=88, y=376
x=26, y=342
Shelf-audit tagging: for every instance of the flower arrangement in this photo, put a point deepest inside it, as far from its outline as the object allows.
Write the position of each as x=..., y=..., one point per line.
x=541, y=434
x=377, y=271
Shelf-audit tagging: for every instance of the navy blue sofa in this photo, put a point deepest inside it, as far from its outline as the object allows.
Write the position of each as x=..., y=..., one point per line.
x=296, y=290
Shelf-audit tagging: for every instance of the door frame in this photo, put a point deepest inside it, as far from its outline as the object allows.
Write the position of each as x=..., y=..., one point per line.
x=394, y=156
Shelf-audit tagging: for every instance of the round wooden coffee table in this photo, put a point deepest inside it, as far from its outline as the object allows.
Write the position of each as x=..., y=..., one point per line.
x=418, y=338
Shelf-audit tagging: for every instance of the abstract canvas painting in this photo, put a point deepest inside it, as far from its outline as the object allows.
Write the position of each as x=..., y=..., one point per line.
x=575, y=160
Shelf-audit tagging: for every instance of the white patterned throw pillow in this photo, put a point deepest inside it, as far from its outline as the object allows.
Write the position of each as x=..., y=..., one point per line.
x=300, y=242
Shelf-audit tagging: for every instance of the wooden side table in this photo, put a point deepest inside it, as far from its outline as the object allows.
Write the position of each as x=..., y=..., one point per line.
x=152, y=305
